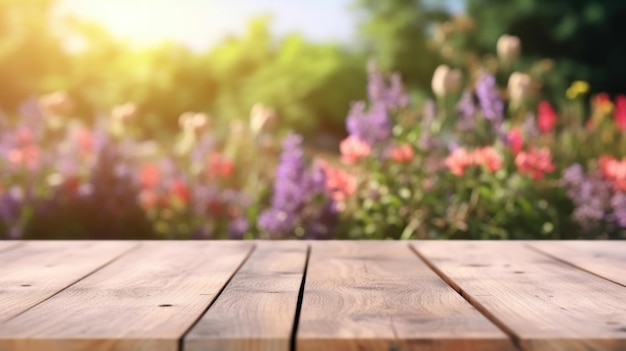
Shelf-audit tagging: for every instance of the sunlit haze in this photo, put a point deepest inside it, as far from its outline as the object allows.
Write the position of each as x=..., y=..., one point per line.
x=200, y=24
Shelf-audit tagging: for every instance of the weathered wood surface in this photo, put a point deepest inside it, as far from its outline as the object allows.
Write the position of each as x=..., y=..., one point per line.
x=303, y=296
x=380, y=296
x=145, y=300
x=257, y=309
x=607, y=260
x=33, y=272
x=543, y=303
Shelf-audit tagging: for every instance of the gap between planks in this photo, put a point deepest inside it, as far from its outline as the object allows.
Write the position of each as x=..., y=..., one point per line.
x=296, y=320
x=181, y=341
x=548, y=305
x=249, y=328
x=539, y=247
x=485, y=312
x=122, y=254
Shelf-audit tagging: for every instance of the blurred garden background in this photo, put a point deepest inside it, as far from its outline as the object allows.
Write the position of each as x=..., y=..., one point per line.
x=352, y=119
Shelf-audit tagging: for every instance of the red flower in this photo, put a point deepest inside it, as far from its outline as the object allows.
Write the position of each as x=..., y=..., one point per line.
x=546, y=117
x=340, y=184
x=24, y=156
x=620, y=112
x=488, y=157
x=352, y=149
x=85, y=141
x=516, y=141
x=71, y=184
x=24, y=136
x=402, y=154
x=216, y=208
x=149, y=199
x=458, y=160
x=219, y=166
x=601, y=101
x=149, y=176
x=535, y=163
x=614, y=170
x=179, y=189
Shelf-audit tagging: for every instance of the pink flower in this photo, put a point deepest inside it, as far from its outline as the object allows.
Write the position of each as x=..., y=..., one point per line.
x=614, y=170
x=85, y=141
x=488, y=157
x=402, y=154
x=352, y=149
x=516, y=141
x=458, y=160
x=546, y=117
x=535, y=163
x=179, y=189
x=25, y=156
x=24, y=136
x=149, y=176
x=340, y=184
x=219, y=166
x=149, y=199
x=620, y=112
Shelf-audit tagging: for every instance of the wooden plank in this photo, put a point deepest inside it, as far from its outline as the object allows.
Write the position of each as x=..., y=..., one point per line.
x=546, y=304
x=380, y=296
x=34, y=271
x=256, y=310
x=146, y=300
x=6, y=246
x=603, y=258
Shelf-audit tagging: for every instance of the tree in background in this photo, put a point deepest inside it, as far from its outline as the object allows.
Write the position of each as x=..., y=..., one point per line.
x=584, y=37
x=29, y=50
x=310, y=85
x=396, y=34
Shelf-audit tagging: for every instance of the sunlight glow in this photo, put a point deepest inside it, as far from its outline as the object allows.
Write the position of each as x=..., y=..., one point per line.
x=202, y=23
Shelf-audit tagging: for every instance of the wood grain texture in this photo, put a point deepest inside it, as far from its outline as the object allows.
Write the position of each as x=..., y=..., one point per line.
x=604, y=258
x=146, y=300
x=256, y=310
x=546, y=304
x=31, y=272
x=379, y=296
x=9, y=245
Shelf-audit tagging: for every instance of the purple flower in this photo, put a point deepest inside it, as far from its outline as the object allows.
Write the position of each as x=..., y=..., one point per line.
x=296, y=207
x=11, y=203
x=618, y=205
x=591, y=194
x=372, y=126
x=427, y=140
x=389, y=96
x=588, y=216
x=489, y=100
x=467, y=111
x=238, y=227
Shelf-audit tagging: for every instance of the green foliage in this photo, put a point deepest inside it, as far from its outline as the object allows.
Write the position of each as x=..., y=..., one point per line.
x=308, y=84
x=395, y=32
x=583, y=36
x=28, y=49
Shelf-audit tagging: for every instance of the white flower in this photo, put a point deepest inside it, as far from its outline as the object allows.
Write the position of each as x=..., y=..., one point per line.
x=262, y=118
x=519, y=87
x=446, y=81
x=193, y=122
x=508, y=47
x=124, y=113
x=57, y=103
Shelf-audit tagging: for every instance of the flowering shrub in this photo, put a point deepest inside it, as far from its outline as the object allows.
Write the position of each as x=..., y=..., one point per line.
x=483, y=160
x=63, y=179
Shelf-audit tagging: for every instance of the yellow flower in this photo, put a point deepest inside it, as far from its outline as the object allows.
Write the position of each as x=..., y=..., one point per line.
x=577, y=89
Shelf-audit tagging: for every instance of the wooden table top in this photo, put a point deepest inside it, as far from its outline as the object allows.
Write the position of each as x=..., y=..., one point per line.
x=312, y=296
